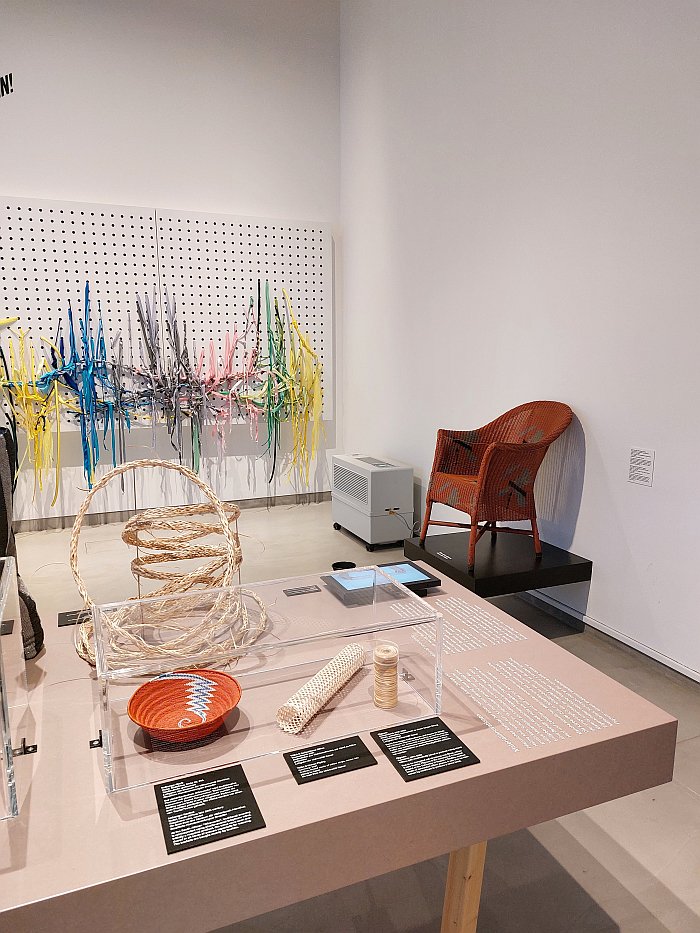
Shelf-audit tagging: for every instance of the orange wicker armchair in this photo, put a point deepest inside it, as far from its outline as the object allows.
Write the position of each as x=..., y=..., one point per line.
x=490, y=472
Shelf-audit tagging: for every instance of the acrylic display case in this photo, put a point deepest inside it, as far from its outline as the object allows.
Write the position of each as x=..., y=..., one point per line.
x=309, y=620
x=13, y=683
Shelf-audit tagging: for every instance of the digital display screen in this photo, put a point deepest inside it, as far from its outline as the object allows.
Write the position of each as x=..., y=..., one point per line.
x=352, y=580
x=355, y=579
x=405, y=573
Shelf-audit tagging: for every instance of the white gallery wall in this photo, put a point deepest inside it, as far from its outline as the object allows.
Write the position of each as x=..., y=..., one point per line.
x=518, y=191
x=228, y=106
x=521, y=219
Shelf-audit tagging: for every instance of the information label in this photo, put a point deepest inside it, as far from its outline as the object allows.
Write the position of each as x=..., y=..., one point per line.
x=207, y=807
x=301, y=590
x=73, y=617
x=329, y=759
x=420, y=749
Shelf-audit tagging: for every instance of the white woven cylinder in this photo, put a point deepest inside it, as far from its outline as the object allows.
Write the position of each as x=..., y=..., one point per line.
x=302, y=706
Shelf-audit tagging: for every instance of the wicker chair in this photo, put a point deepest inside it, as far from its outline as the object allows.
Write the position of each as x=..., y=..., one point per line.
x=490, y=472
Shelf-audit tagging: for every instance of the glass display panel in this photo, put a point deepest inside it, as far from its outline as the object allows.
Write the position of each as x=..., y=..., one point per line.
x=12, y=682
x=307, y=625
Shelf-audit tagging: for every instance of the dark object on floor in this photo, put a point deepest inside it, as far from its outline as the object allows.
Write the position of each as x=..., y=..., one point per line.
x=512, y=567
x=343, y=565
x=490, y=472
x=32, y=632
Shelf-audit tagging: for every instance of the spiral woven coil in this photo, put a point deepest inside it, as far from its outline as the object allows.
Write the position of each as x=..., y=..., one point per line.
x=138, y=532
x=227, y=626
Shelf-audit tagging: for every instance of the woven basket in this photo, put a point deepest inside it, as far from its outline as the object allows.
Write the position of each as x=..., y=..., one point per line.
x=185, y=705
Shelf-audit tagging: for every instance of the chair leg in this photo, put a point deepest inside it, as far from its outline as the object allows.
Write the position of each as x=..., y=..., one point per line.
x=471, y=557
x=426, y=520
x=536, y=536
x=494, y=535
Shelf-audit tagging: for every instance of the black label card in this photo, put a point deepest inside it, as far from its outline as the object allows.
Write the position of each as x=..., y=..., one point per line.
x=301, y=590
x=419, y=749
x=73, y=617
x=329, y=759
x=207, y=807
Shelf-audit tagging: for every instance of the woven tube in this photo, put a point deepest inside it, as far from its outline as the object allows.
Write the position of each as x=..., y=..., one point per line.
x=302, y=706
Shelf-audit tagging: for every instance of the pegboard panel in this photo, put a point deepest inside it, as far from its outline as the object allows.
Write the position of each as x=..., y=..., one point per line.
x=211, y=263
x=49, y=249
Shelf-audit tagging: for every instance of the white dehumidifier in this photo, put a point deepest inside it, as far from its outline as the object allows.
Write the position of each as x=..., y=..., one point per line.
x=372, y=498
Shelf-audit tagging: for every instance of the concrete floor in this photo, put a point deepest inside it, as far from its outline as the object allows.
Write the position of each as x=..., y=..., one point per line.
x=632, y=865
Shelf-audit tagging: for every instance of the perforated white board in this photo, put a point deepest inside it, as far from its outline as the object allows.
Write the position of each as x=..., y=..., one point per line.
x=213, y=262
x=209, y=263
x=48, y=249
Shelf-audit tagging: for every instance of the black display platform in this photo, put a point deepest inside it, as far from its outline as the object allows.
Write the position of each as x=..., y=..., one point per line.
x=509, y=566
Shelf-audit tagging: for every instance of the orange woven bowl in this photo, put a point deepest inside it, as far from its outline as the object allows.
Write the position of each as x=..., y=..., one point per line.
x=184, y=706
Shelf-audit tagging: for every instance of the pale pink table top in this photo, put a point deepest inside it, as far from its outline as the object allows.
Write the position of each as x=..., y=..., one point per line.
x=76, y=858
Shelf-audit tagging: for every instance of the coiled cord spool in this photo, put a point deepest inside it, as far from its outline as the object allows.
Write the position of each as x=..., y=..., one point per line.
x=386, y=675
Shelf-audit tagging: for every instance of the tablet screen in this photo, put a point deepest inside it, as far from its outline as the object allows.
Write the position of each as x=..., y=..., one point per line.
x=405, y=573
x=355, y=579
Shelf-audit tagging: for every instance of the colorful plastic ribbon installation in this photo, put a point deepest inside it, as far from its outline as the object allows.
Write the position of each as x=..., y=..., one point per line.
x=268, y=371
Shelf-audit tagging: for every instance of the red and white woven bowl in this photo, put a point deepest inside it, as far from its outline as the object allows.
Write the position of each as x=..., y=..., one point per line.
x=184, y=706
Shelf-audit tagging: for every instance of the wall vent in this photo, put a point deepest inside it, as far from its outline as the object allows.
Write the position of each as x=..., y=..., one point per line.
x=352, y=484
x=641, y=466
x=372, y=461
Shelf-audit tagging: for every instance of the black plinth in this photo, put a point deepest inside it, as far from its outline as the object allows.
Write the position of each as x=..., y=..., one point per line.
x=508, y=566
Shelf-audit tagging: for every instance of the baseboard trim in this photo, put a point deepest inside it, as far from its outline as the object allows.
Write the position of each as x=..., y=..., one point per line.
x=641, y=648
x=546, y=602
x=105, y=518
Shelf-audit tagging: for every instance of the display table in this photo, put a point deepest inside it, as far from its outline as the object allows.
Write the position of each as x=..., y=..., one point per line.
x=553, y=736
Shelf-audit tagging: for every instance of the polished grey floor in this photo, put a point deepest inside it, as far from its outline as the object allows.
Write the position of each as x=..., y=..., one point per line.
x=632, y=865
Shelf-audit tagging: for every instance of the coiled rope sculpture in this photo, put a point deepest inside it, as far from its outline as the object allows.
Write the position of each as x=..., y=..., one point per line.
x=228, y=624
x=138, y=530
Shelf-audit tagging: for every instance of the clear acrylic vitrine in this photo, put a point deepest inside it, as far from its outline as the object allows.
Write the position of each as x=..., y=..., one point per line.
x=309, y=619
x=13, y=684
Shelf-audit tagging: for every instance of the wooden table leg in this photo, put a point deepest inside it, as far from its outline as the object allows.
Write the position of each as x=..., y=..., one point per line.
x=460, y=912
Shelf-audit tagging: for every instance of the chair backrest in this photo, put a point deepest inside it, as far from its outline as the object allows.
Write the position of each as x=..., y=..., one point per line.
x=532, y=423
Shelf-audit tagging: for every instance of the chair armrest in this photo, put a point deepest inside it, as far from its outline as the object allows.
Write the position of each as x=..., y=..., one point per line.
x=507, y=466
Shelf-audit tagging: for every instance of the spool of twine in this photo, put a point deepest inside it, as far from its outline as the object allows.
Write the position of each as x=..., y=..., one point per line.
x=386, y=675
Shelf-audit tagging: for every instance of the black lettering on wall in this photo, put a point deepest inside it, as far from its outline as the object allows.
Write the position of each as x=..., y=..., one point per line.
x=6, y=84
